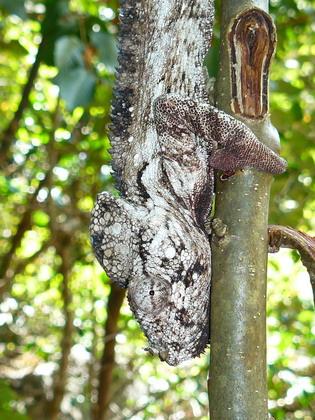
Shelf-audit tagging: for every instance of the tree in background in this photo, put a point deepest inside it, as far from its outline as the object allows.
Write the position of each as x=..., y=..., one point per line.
x=57, y=65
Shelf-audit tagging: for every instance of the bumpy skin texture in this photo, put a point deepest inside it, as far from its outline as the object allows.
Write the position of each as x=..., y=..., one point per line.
x=159, y=249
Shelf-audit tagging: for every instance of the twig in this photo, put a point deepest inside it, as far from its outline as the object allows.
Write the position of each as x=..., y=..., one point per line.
x=115, y=301
x=23, y=226
x=25, y=221
x=62, y=243
x=21, y=264
x=13, y=125
x=286, y=237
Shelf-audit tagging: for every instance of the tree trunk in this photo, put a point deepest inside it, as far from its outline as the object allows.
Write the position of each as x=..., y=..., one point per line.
x=63, y=247
x=237, y=377
x=115, y=301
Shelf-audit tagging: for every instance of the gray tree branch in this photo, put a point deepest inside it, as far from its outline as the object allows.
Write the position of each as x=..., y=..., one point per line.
x=107, y=363
x=62, y=243
x=287, y=237
x=237, y=377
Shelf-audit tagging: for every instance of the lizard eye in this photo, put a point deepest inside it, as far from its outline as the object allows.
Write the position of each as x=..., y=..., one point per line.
x=149, y=295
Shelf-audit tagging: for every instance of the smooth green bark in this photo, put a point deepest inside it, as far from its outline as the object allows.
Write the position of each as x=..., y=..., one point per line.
x=237, y=377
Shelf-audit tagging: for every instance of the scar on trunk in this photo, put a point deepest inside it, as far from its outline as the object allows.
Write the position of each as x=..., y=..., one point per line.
x=252, y=41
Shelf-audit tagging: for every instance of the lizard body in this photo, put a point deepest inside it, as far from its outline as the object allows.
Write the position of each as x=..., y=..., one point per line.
x=153, y=240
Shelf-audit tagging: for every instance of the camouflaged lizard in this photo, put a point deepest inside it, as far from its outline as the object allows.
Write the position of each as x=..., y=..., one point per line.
x=166, y=142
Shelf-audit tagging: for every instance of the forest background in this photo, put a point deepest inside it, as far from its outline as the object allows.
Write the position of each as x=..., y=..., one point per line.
x=57, y=63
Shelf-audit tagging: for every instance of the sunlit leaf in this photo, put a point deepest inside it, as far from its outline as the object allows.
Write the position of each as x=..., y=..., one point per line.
x=40, y=218
x=7, y=397
x=15, y=7
x=106, y=45
x=68, y=53
x=77, y=86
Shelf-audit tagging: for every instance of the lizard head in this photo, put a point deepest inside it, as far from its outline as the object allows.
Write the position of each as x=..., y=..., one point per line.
x=175, y=323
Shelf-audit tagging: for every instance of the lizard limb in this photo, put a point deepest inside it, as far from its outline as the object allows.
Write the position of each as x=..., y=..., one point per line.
x=231, y=144
x=114, y=237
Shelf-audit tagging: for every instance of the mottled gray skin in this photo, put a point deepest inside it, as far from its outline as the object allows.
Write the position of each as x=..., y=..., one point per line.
x=165, y=148
x=160, y=250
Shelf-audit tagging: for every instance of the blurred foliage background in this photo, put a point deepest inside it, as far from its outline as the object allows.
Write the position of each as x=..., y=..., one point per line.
x=58, y=311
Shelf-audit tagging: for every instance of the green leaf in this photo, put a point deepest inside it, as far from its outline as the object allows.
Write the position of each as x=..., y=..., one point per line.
x=7, y=396
x=68, y=52
x=4, y=185
x=15, y=7
x=13, y=47
x=107, y=49
x=76, y=86
x=40, y=218
x=297, y=111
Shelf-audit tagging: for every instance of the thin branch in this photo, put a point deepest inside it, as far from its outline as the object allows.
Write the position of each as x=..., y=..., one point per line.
x=115, y=301
x=9, y=132
x=23, y=226
x=286, y=237
x=48, y=30
x=25, y=221
x=91, y=391
x=156, y=396
x=62, y=244
x=20, y=265
x=63, y=240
